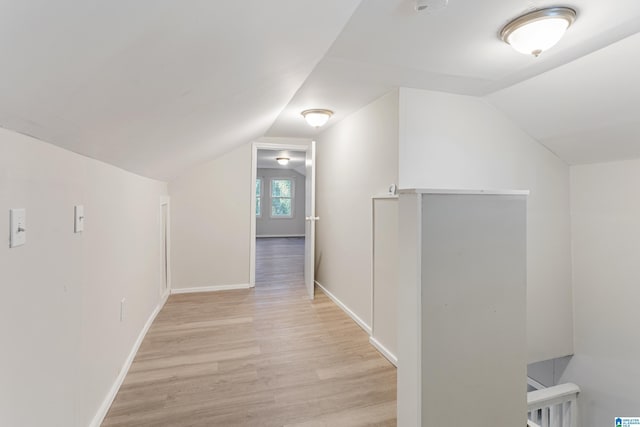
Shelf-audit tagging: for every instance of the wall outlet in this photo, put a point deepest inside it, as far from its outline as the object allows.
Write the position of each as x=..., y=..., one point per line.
x=122, y=307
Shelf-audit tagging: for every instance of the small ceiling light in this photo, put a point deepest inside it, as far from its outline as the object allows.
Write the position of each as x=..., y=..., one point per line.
x=317, y=117
x=282, y=161
x=537, y=31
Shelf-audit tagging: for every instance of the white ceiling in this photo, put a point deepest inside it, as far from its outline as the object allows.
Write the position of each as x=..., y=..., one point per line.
x=386, y=44
x=156, y=86
x=266, y=159
x=585, y=111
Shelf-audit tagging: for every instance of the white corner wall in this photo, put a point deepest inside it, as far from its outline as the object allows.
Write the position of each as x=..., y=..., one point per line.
x=356, y=159
x=211, y=223
x=453, y=141
x=63, y=344
x=605, y=212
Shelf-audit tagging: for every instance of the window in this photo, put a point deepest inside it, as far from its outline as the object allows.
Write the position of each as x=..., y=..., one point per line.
x=282, y=198
x=258, y=197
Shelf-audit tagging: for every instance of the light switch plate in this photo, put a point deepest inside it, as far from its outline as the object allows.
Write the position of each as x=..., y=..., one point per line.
x=18, y=227
x=79, y=219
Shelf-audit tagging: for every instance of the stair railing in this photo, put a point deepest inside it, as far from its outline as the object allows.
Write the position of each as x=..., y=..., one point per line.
x=555, y=406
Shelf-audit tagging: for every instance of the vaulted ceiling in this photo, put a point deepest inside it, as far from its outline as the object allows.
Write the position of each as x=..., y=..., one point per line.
x=156, y=86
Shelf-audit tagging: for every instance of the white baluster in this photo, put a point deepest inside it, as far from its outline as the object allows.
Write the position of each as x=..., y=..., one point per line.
x=555, y=412
x=558, y=403
x=545, y=417
x=574, y=412
x=537, y=416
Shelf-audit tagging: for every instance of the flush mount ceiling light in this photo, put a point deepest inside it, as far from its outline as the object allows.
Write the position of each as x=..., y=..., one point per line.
x=537, y=31
x=283, y=161
x=317, y=117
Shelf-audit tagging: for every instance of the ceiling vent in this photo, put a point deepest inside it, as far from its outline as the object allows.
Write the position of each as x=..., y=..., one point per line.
x=430, y=5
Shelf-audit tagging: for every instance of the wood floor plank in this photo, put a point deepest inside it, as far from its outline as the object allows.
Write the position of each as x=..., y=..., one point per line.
x=259, y=357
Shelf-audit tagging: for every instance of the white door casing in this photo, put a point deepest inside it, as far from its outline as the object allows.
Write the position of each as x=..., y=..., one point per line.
x=310, y=221
x=309, y=258
x=165, y=246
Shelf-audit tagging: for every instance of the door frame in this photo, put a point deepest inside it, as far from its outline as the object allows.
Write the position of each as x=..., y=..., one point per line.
x=165, y=201
x=296, y=145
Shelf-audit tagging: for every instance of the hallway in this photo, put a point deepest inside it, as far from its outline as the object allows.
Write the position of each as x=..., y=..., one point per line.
x=259, y=357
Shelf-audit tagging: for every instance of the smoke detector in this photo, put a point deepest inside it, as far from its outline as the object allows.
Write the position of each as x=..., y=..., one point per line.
x=430, y=5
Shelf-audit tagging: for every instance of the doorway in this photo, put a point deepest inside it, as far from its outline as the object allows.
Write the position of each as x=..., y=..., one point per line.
x=283, y=213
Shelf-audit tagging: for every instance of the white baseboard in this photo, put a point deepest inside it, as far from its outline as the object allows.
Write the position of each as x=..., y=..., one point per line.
x=384, y=351
x=214, y=288
x=279, y=235
x=108, y=400
x=346, y=309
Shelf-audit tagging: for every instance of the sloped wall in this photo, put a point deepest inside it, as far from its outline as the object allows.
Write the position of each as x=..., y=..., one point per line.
x=63, y=342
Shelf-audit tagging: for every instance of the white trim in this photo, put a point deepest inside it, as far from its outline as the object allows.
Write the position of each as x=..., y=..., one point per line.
x=371, y=266
x=279, y=235
x=261, y=196
x=552, y=395
x=252, y=223
x=111, y=395
x=166, y=200
x=213, y=288
x=463, y=191
x=346, y=309
x=535, y=384
x=310, y=221
x=384, y=351
x=273, y=144
x=292, y=180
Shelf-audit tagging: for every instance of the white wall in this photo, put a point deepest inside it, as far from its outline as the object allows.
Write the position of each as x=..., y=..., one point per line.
x=385, y=276
x=210, y=222
x=472, y=283
x=356, y=159
x=267, y=226
x=454, y=141
x=63, y=343
x=605, y=211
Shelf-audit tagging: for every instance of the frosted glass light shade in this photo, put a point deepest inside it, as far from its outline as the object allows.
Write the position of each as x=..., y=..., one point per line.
x=282, y=161
x=538, y=31
x=317, y=117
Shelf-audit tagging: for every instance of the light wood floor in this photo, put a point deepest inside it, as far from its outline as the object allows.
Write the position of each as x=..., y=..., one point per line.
x=261, y=357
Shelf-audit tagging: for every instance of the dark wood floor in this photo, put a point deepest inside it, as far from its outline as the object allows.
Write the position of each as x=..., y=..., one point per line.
x=261, y=357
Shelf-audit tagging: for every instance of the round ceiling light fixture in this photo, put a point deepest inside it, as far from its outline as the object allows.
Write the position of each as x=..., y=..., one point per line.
x=537, y=31
x=317, y=117
x=282, y=161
